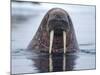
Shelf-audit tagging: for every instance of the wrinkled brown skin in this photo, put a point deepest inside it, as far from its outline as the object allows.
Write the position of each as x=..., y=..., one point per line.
x=41, y=40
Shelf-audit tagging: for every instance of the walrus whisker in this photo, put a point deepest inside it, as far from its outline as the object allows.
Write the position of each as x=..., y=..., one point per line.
x=51, y=41
x=64, y=41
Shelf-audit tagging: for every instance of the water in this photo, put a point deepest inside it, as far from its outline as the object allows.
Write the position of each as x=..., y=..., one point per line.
x=26, y=18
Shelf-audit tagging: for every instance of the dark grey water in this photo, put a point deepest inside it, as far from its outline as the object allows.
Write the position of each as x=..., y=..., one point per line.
x=26, y=18
x=27, y=61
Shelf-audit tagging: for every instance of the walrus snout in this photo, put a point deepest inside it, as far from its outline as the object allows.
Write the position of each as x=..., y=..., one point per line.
x=57, y=26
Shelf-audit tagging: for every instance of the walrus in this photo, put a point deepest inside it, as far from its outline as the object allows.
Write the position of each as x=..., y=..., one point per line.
x=55, y=34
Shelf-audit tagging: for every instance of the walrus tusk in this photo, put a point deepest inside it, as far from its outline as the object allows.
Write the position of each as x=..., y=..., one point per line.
x=64, y=59
x=51, y=41
x=64, y=41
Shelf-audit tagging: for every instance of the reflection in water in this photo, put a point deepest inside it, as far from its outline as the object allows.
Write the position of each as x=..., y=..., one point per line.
x=50, y=63
x=55, y=62
x=31, y=61
x=64, y=63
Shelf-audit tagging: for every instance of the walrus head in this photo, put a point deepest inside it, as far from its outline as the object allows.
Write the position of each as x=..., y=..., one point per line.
x=56, y=33
x=57, y=26
x=58, y=22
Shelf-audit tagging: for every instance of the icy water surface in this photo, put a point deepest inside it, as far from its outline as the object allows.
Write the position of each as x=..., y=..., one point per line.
x=33, y=62
x=26, y=18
